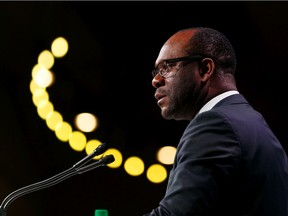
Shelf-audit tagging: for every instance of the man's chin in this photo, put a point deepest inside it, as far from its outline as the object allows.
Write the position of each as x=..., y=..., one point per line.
x=166, y=114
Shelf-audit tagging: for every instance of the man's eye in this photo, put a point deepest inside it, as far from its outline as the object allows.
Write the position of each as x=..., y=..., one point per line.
x=168, y=66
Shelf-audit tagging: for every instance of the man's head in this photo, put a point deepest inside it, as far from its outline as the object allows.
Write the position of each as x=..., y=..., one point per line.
x=193, y=66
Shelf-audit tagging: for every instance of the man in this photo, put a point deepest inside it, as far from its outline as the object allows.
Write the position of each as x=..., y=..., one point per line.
x=228, y=161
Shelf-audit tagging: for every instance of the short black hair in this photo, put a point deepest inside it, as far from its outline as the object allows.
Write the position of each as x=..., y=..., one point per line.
x=212, y=43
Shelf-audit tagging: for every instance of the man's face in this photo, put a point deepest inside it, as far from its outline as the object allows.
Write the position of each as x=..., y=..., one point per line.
x=177, y=95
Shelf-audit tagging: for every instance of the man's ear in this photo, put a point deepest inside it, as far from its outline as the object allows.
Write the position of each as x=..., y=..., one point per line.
x=206, y=66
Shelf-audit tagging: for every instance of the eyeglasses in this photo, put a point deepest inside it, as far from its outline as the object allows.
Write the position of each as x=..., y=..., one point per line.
x=164, y=68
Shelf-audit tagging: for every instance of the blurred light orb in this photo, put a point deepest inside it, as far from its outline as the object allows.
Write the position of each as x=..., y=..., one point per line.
x=166, y=155
x=156, y=173
x=35, y=70
x=63, y=131
x=33, y=86
x=134, y=166
x=40, y=94
x=77, y=140
x=44, y=107
x=86, y=122
x=44, y=77
x=53, y=118
x=46, y=59
x=59, y=47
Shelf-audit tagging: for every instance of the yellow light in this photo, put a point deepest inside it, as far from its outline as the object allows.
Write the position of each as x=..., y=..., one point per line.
x=46, y=59
x=44, y=108
x=53, y=118
x=34, y=86
x=86, y=122
x=117, y=155
x=156, y=173
x=134, y=166
x=40, y=94
x=166, y=154
x=44, y=78
x=36, y=68
x=59, y=47
x=77, y=140
x=91, y=146
x=63, y=131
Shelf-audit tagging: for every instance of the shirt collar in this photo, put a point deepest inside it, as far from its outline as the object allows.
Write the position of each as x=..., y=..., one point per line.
x=210, y=104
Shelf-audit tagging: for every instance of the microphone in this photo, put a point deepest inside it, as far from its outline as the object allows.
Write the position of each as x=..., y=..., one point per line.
x=99, y=150
x=77, y=168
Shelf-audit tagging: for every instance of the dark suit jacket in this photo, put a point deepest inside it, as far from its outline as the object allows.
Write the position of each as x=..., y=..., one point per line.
x=228, y=162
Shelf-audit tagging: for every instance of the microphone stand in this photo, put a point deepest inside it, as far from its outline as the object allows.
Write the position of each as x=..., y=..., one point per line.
x=77, y=168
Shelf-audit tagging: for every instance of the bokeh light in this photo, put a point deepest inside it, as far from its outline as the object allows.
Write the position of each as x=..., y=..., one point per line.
x=44, y=77
x=44, y=108
x=59, y=47
x=40, y=94
x=86, y=122
x=134, y=166
x=166, y=154
x=46, y=59
x=77, y=141
x=63, y=131
x=53, y=118
x=156, y=173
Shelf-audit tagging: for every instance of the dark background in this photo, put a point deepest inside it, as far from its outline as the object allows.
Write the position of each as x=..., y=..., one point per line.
x=112, y=49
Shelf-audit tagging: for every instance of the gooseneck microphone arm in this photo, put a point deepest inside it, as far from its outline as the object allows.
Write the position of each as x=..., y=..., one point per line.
x=77, y=168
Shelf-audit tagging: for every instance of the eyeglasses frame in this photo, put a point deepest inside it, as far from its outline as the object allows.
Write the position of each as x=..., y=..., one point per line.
x=190, y=59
